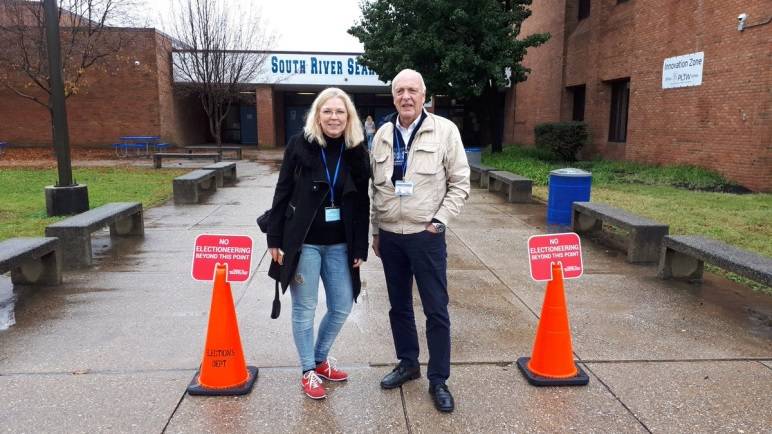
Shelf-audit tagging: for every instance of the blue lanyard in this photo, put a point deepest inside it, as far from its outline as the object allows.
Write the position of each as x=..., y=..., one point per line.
x=400, y=142
x=327, y=172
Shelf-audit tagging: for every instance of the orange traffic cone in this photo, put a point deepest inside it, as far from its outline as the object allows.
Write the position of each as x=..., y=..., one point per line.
x=552, y=360
x=223, y=370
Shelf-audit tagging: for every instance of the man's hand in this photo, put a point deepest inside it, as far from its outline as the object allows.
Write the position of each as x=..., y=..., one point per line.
x=277, y=255
x=358, y=262
x=376, y=250
x=430, y=227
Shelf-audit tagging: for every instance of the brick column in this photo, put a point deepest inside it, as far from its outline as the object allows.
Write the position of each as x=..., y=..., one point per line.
x=266, y=117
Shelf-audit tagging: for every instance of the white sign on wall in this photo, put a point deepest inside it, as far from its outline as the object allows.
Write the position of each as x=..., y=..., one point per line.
x=683, y=71
x=302, y=68
x=322, y=69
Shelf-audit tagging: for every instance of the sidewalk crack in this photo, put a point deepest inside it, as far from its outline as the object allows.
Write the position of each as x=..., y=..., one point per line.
x=619, y=400
x=176, y=407
x=404, y=410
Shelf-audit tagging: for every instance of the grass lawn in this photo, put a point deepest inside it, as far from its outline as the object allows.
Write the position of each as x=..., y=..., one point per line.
x=23, y=204
x=664, y=194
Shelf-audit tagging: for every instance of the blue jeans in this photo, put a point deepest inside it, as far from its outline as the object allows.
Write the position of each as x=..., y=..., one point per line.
x=331, y=264
x=370, y=141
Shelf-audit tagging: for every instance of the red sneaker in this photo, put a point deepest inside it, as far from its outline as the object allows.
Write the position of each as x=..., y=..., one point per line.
x=312, y=385
x=330, y=371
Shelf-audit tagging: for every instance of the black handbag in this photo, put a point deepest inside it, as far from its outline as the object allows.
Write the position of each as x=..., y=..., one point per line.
x=262, y=221
x=265, y=217
x=276, y=308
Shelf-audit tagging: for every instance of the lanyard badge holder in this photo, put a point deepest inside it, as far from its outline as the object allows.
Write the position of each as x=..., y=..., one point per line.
x=402, y=187
x=332, y=212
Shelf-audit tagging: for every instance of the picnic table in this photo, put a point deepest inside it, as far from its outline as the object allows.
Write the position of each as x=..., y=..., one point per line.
x=139, y=145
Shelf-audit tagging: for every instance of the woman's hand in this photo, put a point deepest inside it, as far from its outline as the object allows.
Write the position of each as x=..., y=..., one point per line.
x=277, y=255
x=358, y=262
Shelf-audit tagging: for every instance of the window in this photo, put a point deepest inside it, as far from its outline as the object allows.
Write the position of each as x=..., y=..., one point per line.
x=584, y=9
x=578, y=95
x=620, y=99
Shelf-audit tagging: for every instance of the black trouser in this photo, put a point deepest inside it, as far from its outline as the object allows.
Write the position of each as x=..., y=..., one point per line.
x=423, y=255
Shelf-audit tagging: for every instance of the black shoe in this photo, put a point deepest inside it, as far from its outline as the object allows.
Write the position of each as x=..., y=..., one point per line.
x=399, y=376
x=443, y=400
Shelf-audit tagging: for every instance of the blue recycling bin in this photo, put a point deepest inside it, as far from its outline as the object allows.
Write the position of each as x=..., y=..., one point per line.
x=473, y=155
x=566, y=186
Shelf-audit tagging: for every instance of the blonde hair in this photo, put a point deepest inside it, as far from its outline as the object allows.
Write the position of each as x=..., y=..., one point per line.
x=353, y=134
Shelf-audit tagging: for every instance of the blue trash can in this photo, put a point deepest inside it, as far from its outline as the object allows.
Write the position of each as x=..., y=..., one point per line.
x=474, y=155
x=566, y=186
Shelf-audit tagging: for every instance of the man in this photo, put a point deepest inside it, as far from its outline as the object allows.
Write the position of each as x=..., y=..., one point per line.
x=420, y=181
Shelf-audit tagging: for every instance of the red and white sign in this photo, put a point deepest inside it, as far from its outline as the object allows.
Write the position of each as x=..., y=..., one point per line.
x=235, y=251
x=544, y=250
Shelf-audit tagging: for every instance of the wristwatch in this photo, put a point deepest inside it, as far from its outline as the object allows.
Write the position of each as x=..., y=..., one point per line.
x=439, y=227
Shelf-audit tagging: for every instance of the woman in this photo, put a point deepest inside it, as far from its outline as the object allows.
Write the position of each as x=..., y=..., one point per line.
x=369, y=131
x=319, y=228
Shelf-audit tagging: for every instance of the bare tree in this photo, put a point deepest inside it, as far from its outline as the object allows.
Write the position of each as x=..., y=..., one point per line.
x=85, y=42
x=217, y=50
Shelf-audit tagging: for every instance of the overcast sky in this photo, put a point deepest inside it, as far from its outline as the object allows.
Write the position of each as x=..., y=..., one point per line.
x=300, y=25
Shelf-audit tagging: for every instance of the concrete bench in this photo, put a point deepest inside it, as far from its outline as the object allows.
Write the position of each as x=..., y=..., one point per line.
x=684, y=256
x=518, y=188
x=211, y=148
x=645, y=236
x=158, y=156
x=187, y=187
x=74, y=233
x=32, y=260
x=479, y=172
x=225, y=170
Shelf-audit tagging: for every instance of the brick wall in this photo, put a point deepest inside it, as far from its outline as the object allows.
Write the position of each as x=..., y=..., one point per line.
x=183, y=120
x=116, y=97
x=538, y=98
x=266, y=117
x=724, y=124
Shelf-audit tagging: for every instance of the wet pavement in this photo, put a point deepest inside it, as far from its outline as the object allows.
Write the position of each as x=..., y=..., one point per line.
x=113, y=348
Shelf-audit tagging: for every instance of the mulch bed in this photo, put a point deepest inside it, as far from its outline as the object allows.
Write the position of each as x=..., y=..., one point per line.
x=45, y=156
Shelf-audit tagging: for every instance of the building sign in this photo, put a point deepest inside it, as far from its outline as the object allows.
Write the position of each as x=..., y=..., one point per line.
x=297, y=68
x=683, y=71
x=322, y=69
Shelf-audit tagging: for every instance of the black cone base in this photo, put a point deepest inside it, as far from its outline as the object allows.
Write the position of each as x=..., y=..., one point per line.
x=194, y=388
x=581, y=378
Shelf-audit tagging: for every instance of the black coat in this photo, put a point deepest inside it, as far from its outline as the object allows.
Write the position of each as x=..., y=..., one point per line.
x=300, y=191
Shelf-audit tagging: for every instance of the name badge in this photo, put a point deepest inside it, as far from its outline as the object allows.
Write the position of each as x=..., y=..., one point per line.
x=332, y=214
x=403, y=188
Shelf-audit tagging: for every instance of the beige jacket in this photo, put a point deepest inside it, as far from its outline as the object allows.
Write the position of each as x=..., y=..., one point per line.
x=436, y=165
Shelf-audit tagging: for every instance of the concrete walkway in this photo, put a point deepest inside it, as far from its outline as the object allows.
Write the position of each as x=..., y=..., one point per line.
x=114, y=347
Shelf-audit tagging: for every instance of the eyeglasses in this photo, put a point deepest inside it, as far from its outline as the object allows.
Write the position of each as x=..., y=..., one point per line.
x=329, y=113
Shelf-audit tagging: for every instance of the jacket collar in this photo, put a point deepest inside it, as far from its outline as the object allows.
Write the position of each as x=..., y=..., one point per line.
x=428, y=125
x=311, y=159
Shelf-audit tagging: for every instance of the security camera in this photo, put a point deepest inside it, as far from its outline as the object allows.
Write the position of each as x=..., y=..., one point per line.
x=741, y=21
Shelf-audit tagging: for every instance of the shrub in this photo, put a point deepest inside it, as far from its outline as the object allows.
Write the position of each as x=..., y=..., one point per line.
x=564, y=139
